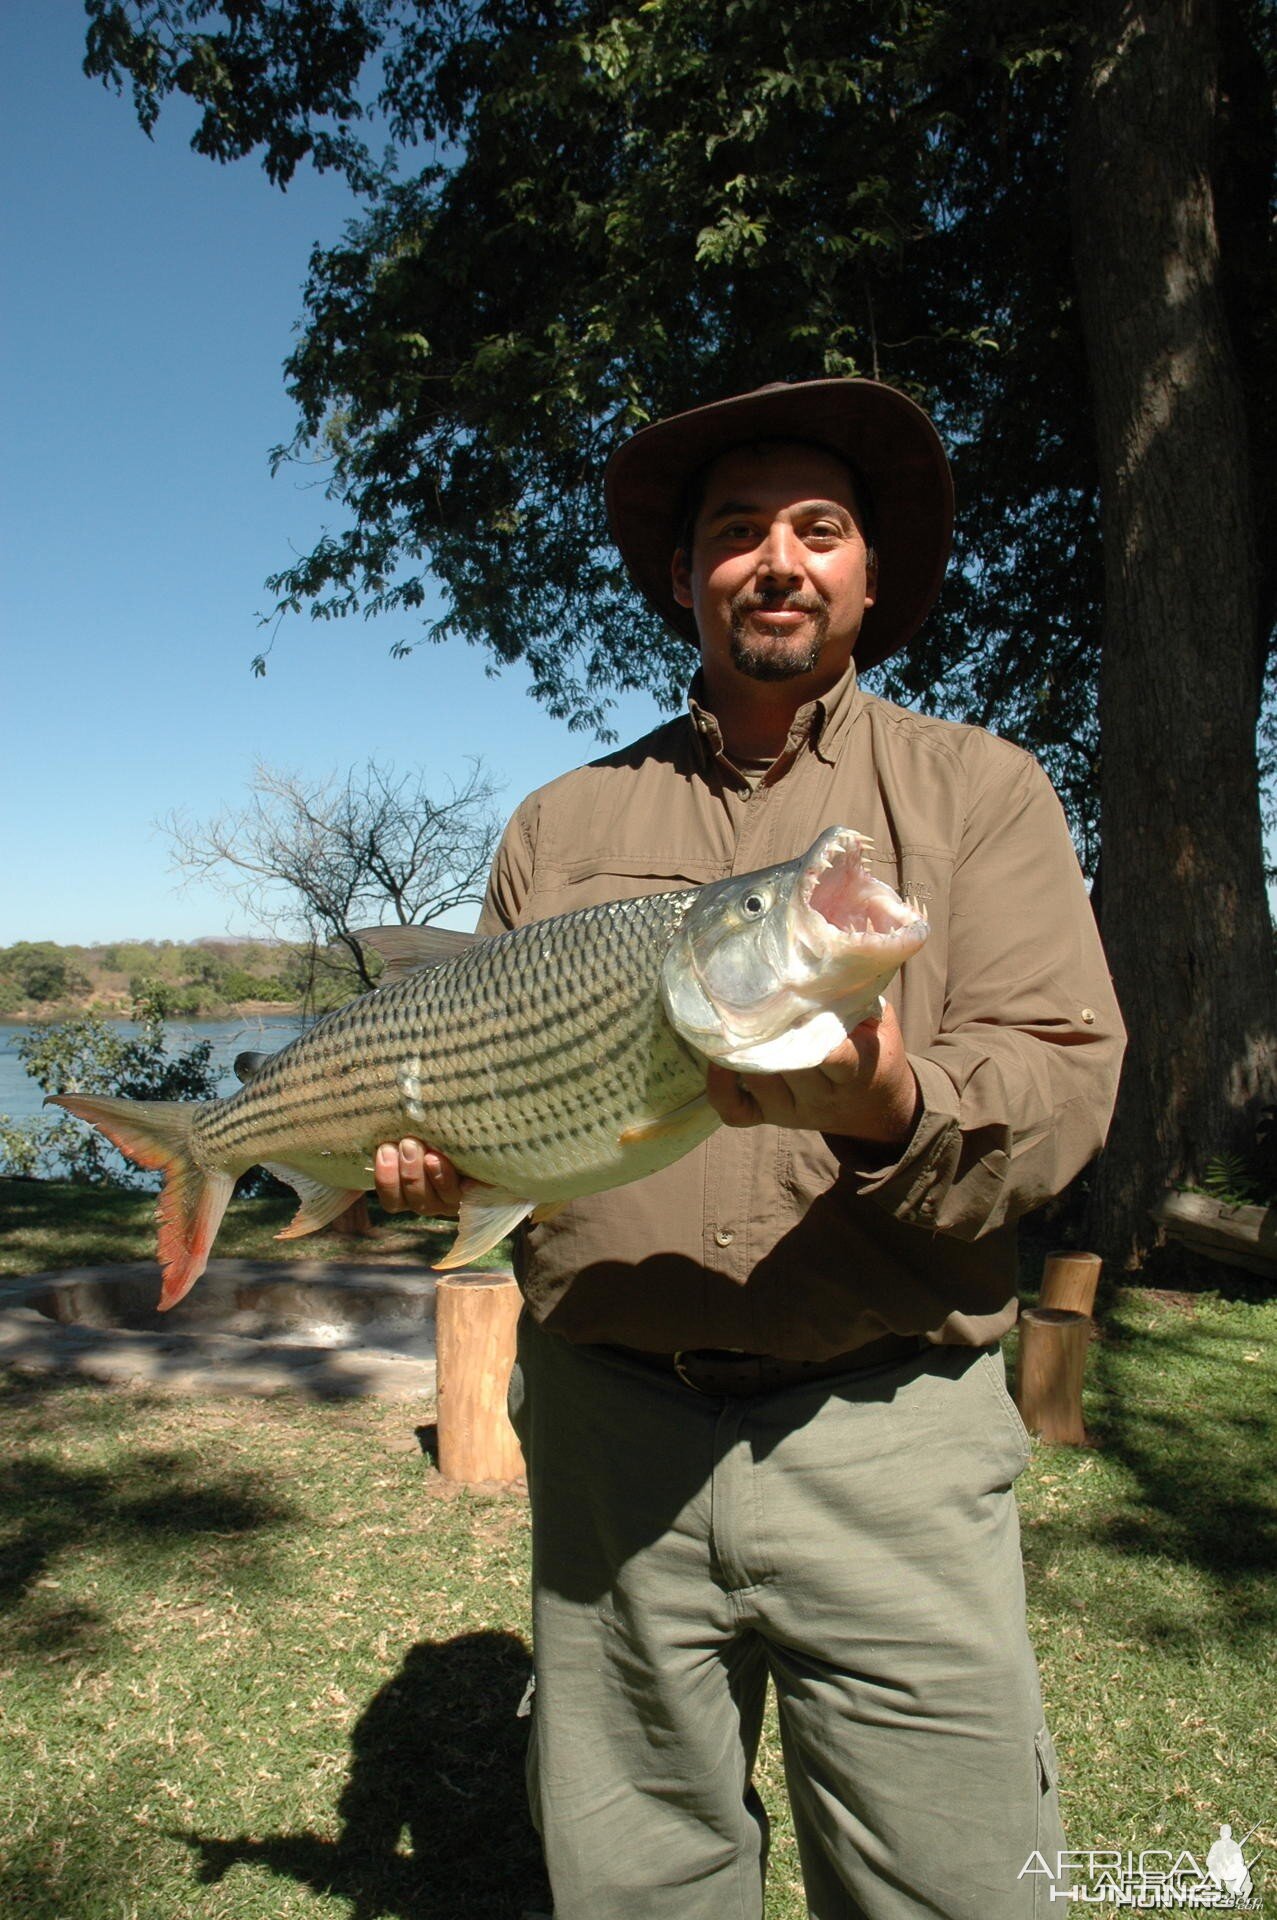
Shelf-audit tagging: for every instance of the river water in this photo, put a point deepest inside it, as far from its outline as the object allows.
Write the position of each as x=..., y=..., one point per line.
x=20, y=1097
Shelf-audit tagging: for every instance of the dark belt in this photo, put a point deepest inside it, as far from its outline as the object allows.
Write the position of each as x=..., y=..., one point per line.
x=722, y=1373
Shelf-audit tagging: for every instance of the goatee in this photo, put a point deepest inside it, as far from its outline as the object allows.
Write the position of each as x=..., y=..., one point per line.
x=764, y=658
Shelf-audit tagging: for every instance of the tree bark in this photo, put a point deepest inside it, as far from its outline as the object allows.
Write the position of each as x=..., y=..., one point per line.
x=1185, y=916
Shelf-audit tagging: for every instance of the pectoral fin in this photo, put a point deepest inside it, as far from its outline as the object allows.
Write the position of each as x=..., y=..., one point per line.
x=546, y=1211
x=319, y=1203
x=667, y=1126
x=487, y=1215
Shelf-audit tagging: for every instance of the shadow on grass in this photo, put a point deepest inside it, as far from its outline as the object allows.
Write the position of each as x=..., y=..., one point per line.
x=434, y=1818
x=149, y=1502
x=1187, y=1417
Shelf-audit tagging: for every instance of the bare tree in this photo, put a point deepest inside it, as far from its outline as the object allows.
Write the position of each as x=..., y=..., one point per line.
x=320, y=858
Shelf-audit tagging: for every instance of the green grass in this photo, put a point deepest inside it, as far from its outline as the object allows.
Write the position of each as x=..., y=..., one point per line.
x=47, y=1225
x=253, y=1665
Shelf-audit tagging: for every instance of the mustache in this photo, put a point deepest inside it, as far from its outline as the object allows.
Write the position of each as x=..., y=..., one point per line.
x=750, y=602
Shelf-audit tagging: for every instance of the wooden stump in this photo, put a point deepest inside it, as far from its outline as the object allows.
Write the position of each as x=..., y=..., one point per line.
x=1048, y=1375
x=1069, y=1281
x=355, y=1222
x=475, y=1319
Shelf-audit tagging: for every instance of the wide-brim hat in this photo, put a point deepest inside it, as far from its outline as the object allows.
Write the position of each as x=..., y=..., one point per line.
x=888, y=441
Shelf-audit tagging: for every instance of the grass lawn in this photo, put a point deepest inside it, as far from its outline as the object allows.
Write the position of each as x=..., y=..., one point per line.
x=255, y=1665
x=50, y=1224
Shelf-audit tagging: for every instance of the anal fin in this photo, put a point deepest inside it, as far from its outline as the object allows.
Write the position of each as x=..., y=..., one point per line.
x=487, y=1215
x=319, y=1203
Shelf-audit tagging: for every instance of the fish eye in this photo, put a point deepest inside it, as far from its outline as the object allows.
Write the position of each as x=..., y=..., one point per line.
x=753, y=904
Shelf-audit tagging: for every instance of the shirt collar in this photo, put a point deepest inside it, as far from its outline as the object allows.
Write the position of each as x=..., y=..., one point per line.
x=819, y=724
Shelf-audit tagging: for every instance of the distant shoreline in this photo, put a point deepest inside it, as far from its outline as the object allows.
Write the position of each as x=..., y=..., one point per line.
x=113, y=1010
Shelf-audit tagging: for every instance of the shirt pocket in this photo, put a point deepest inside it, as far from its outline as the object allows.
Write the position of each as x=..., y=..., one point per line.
x=567, y=887
x=808, y=1167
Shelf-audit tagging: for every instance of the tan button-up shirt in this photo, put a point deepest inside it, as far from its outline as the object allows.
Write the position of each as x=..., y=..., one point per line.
x=786, y=1242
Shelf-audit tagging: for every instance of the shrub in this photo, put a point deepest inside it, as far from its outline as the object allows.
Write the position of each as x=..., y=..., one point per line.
x=87, y=1054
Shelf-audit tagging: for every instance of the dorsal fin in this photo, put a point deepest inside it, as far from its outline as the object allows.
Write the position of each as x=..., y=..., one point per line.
x=408, y=949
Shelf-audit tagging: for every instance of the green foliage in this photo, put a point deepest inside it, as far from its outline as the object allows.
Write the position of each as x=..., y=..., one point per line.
x=186, y=980
x=239, y=985
x=639, y=208
x=40, y=971
x=1247, y=1179
x=651, y=206
x=1229, y=1178
x=88, y=1054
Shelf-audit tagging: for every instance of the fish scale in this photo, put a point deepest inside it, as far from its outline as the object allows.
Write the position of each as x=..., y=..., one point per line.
x=593, y=1050
x=561, y=1059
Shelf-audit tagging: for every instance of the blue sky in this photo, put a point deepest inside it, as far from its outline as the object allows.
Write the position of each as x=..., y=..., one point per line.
x=149, y=301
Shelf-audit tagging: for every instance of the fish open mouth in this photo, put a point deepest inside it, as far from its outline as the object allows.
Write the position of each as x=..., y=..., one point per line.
x=838, y=890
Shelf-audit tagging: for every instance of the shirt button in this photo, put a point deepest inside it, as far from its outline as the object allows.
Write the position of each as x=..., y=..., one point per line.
x=1088, y=1015
x=724, y=1236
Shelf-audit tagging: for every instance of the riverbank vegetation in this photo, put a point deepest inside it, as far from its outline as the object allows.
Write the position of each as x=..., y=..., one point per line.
x=40, y=980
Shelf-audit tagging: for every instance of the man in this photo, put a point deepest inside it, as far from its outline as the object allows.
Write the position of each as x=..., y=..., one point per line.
x=760, y=1394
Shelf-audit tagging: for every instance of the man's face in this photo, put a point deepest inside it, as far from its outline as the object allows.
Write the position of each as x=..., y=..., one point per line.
x=779, y=576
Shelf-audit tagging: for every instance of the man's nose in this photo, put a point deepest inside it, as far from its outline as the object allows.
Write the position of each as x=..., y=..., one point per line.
x=780, y=556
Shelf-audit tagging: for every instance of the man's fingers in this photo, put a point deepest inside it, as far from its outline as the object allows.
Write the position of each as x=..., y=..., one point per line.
x=386, y=1174
x=730, y=1098
x=413, y=1178
x=418, y=1198
x=443, y=1177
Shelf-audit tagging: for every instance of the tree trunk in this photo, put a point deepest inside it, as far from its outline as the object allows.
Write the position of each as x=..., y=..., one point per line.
x=1185, y=916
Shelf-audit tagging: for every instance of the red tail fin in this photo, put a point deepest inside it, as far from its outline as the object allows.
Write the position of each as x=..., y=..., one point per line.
x=157, y=1133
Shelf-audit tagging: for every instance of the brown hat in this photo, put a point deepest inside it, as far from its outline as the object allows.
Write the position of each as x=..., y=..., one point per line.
x=890, y=444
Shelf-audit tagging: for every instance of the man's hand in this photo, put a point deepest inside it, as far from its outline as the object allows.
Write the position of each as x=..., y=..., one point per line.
x=413, y=1178
x=865, y=1089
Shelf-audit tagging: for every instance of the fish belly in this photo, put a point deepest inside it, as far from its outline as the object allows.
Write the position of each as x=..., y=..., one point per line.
x=541, y=1062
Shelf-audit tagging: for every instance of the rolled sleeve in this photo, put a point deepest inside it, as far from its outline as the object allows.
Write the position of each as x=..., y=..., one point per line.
x=1019, y=1082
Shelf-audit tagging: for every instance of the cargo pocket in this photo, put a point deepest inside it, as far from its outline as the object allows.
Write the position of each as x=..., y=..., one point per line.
x=1049, y=1834
x=515, y=1406
x=531, y=1764
x=993, y=1368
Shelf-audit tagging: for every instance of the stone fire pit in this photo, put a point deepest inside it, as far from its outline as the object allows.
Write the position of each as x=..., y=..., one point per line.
x=315, y=1327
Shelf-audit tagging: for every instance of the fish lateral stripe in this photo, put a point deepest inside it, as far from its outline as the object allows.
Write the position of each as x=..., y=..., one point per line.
x=556, y=1060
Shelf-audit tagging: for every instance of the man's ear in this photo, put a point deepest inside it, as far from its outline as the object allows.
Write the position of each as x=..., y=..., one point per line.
x=871, y=577
x=681, y=576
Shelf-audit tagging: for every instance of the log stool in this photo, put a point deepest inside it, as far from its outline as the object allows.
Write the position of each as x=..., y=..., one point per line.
x=475, y=1318
x=1069, y=1281
x=1054, y=1338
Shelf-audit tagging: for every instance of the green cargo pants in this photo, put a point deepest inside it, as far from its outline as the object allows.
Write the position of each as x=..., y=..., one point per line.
x=856, y=1539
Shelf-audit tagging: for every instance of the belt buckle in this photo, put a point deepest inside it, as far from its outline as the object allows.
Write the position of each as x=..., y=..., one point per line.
x=682, y=1375
x=722, y=1390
